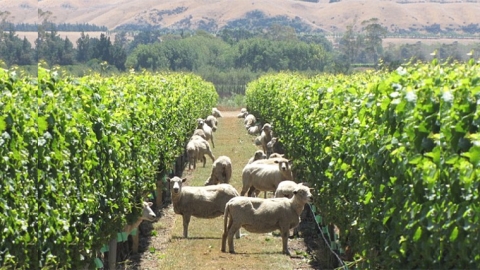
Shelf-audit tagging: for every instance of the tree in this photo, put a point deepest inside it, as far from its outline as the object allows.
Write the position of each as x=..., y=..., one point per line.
x=374, y=34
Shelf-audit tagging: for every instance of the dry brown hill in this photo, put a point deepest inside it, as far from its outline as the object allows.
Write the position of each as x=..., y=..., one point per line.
x=330, y=17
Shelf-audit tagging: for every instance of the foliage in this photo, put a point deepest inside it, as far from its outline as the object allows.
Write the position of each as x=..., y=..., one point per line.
x=102, y=143
x=18, y=171
x=394, y=158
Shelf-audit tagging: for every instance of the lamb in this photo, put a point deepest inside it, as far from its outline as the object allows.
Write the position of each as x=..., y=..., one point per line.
x=148, y=215
x=266, y=137
x=212, y=122
x=258, y=215
x=265, y=177
x=207, y=129
x=216, y=113
x=197, y=148
x=221, y=171
x=200, y=202
x=249, y=120
x=259, y=154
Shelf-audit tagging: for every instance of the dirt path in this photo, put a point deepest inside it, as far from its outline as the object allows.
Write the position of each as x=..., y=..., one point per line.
x=165, y=248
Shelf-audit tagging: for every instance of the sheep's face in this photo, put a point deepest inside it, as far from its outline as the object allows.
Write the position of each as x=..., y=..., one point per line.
x=267, y=127
x=284, y=165
x=176, y=184
x=147, y=212
x=303, y=194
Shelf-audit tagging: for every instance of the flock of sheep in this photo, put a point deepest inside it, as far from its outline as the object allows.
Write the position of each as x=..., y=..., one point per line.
x=265, y=171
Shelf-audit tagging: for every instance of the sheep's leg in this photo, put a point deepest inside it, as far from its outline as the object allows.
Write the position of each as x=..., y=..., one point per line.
x=285, y=233
x=211, y=139
x=186, y=221
x=204, y=159
x=225, y=228
x=135, y=242
x=244, y=190
x=233, y=229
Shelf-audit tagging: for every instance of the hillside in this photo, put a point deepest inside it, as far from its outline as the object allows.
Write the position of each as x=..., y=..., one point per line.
x=212, y=15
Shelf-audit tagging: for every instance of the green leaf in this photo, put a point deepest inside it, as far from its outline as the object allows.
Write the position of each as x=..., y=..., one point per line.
x=454, y=234
x=418, y=234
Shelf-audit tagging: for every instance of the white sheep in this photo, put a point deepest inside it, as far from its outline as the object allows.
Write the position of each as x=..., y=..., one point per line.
x=285, y=189
x=207, y=129
x=259, y=154
x=148, y=215
x=200, y=202
x=258, y=215
x=197, y=148
x=243, y=110
x=212, y=122
x=266, y=136
x=250, y=120
x=265, y=177
x=221, y=171
x=258, y=141
x=216, y=113
x=272, y=161
x=242, y=114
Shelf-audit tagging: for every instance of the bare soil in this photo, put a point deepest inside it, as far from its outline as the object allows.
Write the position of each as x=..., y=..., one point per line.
x=163, y=247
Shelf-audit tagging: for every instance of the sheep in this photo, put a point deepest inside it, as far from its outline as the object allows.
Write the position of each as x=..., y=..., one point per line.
x=258, y=215
x=265, y=177
x=221, y=171
x=200, y=202
x=242, y=114
x=197, y=148
x=216, y=113
x=259, y=154
x=285, y=189
x=253, y=130
x=249, y=120
x=268, y=161
x=212, y=122
x=266, y=136
x=275, y=146
x=148, y=215
x=207, y=129
x=243, y=110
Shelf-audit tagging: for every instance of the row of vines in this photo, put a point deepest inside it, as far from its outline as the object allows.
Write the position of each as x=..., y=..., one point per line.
x=80, y=154
x=394, y=158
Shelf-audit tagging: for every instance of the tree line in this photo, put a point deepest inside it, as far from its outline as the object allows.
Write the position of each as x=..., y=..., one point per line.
x=230, y=58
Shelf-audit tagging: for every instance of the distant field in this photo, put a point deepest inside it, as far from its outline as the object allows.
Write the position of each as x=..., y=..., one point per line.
x=74, y=36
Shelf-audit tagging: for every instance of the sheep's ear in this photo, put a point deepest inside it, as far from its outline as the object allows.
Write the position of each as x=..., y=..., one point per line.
x=184, y=179
x=150, y=203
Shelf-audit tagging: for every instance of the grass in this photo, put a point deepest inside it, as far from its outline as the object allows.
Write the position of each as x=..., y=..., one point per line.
x=202, y=249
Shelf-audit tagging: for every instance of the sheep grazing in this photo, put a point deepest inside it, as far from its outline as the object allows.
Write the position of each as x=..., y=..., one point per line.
x=275, y=146
x=258, y=215
x=212, y=122
x=266, y=137
x=221, y=171
x=200, y=202
x=207, y=129
x=259, y=154
x=265, y=177
x=250, y=120
x=148, y=215
x=216, y=113
x=197, y=148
